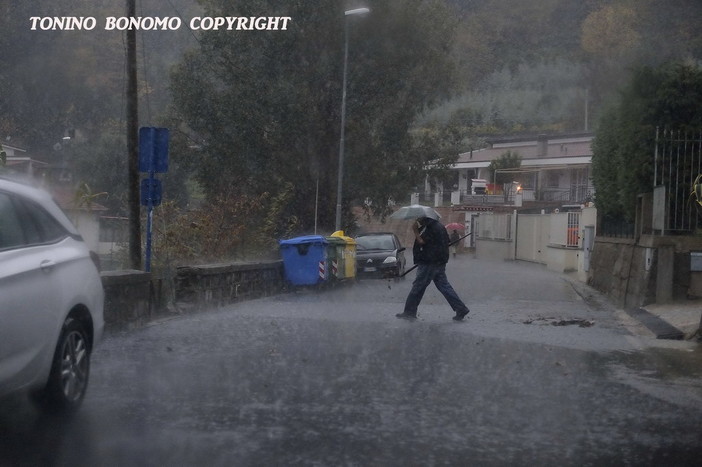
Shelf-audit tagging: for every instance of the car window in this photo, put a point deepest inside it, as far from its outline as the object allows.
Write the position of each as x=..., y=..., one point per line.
x=40, y=226
x=389, y=243
x=11, y=234
x=376, y=242
x=32, y=234
x=26, y=223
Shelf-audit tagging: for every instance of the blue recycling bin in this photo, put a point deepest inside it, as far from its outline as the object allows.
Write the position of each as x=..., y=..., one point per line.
x=305, y=259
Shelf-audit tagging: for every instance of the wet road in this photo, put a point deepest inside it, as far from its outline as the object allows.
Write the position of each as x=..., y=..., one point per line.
x=333, y=378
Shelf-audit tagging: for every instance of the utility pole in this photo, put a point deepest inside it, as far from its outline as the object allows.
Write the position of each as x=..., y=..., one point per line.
x=133, y=146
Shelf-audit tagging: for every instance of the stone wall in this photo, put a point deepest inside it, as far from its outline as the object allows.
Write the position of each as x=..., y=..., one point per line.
x=130, y=300
x=617, y=269
x=134, y=298
x=220, y=284
x=638, y=273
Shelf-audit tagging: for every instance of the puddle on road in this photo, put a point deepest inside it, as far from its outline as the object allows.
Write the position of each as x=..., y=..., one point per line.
x=583, y=323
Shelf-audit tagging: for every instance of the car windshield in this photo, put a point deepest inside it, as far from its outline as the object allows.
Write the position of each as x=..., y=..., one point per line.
x=375, y=242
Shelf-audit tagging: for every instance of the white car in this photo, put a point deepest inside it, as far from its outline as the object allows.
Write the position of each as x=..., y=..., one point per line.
x=51, y=300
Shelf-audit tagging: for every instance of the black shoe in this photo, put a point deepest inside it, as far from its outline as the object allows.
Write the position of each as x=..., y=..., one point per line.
x=407, y=316
x=461, y=314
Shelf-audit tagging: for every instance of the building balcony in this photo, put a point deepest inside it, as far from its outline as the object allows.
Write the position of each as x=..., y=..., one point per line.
x=516, y=198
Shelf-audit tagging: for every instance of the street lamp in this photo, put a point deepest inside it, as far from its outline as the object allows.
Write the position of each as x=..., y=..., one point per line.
x=347, y=13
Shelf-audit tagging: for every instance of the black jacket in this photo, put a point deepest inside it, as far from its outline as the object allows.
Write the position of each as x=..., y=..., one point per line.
x=436, y=247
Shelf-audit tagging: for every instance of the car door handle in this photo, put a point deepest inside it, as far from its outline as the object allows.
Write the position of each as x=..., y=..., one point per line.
x=47, y=265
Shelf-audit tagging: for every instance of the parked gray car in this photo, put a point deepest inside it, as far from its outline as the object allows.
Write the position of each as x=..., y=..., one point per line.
x=379, y=255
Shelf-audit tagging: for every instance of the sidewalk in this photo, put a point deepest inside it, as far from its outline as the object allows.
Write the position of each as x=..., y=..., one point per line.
x=682, y=316
x=679, y=320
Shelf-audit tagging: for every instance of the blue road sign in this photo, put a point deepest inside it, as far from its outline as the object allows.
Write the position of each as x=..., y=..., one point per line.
x=150, y=192
x=153, y=150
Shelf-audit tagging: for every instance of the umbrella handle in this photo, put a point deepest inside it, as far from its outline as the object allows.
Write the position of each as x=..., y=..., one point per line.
x=456, y=241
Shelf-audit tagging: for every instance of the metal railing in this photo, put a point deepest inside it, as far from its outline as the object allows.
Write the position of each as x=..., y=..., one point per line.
x=616, y=228
x=446, y=198
x=677, y=169
x=483, y=199
x=573, y=230
x=565, y=229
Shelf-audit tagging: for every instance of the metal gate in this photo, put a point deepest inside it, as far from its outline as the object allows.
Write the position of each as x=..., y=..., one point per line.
x=573, y=238
x=532, y=237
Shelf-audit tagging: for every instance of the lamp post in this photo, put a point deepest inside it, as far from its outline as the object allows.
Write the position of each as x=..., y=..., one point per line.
x=347, y=13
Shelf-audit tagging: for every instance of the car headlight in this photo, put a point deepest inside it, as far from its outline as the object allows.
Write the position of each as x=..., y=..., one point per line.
x=390, y=260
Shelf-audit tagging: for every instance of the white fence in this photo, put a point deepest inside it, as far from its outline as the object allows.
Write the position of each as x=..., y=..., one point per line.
x=564, y=228
x=555, y=239
x=495, y=226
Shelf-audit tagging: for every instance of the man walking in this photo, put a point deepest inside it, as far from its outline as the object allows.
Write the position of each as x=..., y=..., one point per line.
x=431, y=253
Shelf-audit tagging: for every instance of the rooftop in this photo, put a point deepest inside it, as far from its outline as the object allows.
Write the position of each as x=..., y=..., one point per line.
x=542, y=150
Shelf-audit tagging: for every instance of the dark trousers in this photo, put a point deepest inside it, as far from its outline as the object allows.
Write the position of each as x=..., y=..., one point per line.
x=426, y=273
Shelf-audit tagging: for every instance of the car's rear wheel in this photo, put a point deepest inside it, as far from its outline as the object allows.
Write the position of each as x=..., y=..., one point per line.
x=70, y=370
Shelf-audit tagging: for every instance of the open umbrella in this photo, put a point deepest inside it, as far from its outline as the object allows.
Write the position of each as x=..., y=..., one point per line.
x=455, y=226
x=415, y=211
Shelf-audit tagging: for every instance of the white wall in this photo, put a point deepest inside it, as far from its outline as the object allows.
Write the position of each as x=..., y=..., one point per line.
x=540, y=238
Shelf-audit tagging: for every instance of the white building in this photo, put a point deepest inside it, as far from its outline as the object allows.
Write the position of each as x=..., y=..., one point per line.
x=553, y=169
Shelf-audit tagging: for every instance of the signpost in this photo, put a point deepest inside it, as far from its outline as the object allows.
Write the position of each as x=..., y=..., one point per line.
x=153, y=158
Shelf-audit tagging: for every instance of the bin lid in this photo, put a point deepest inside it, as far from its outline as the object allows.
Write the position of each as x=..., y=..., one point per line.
x=313, y=239
x=340, y=234
x=336, y=240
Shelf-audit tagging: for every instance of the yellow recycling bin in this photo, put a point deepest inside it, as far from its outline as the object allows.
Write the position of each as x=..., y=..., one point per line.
x=335, y=258
x=349, y=255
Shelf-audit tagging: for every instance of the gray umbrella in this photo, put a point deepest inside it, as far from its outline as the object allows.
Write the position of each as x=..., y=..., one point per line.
x=415, y=211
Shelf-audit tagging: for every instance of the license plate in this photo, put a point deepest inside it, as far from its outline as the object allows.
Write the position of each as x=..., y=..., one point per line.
x=369, y=269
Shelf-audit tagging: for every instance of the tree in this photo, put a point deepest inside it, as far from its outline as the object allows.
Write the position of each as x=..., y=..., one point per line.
x=611, y=32
x=591, y=45
x=622, y=165
x=433, y=150
x=52, y=79
x=606, y=162
x=268, y=103
x=538, y=97
x=507, y=160
x=498, y=170
x=495, y=34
